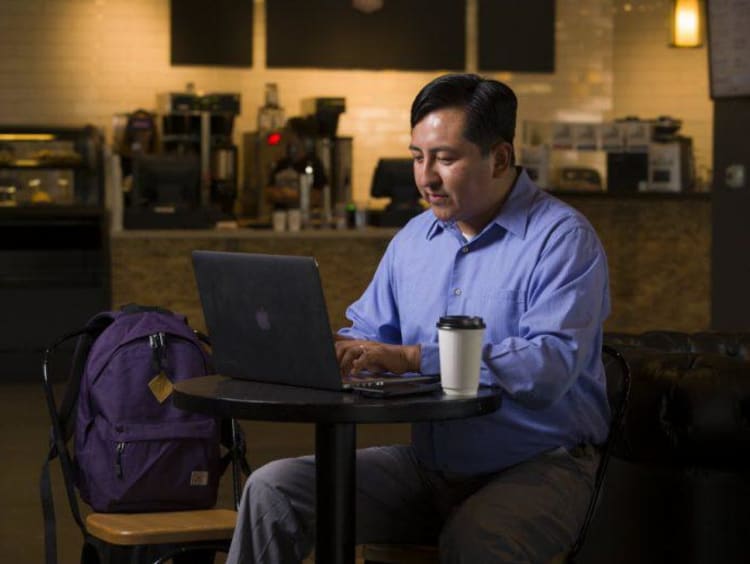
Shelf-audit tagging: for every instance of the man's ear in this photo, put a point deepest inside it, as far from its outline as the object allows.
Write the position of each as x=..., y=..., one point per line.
x=502, y=154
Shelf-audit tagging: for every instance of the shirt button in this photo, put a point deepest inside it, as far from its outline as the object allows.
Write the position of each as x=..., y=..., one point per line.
x=457, y=291
x=465, y=250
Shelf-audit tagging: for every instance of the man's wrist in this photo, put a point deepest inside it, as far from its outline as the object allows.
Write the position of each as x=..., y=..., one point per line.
x=414, y=357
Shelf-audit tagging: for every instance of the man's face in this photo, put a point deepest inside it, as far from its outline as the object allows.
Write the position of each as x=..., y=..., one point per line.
x=452, y=175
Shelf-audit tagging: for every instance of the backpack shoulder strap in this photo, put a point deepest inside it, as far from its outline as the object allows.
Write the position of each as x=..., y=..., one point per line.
x=86, y=338
x=63, y=425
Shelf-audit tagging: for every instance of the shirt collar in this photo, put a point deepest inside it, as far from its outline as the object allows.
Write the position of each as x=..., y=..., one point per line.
x=513, y=215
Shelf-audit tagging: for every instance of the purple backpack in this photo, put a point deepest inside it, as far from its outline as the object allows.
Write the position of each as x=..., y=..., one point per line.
x=134, y=450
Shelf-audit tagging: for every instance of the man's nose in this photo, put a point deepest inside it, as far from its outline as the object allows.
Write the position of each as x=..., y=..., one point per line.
x=425, y=174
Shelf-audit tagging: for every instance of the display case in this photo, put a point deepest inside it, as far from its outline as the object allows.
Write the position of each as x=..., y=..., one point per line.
x=51, y=166
x=54, y=240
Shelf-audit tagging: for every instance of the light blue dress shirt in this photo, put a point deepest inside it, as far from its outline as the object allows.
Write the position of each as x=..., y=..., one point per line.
x=538, y=276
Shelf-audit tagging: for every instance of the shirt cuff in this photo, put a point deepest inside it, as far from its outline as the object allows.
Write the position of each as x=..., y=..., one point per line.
x=430, y=361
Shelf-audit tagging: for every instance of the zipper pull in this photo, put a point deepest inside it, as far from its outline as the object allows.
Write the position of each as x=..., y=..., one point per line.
x=118, y=459
x=153, y=342
x=163, y=350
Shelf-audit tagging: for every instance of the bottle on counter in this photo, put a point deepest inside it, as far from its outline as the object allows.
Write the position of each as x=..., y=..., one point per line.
x=339, y=213
x=351, y=213
x=306, y=181
x=270, y=114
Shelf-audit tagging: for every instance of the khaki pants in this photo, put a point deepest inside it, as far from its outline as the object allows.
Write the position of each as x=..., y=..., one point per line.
x=527, y=513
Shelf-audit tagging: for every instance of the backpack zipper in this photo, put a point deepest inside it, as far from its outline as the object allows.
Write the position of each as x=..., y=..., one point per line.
x=118, y=459
x=154, y=341
x=158, y=352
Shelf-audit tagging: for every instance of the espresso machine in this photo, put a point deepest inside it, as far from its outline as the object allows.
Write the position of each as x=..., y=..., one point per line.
x=263, y=149
x=651, y=157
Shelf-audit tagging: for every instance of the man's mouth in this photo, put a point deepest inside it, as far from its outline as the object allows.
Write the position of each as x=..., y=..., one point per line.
x=437, y=198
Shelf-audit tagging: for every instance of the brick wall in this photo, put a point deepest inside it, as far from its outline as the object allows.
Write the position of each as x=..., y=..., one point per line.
x=69, y=62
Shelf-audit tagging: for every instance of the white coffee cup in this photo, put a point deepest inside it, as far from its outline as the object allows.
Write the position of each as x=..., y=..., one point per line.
x=294, y=219
x=460, y=340
x=279, y=220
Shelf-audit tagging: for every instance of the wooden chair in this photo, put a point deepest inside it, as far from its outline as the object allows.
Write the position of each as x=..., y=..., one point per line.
x=181, y=536
x=618, y=392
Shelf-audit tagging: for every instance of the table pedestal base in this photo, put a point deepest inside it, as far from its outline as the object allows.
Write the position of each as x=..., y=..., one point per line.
x=335, y=445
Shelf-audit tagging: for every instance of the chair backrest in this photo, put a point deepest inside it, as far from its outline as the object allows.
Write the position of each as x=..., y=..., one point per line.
x=618, y=376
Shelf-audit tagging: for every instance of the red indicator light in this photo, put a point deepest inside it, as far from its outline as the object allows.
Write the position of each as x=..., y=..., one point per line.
x=273, y=138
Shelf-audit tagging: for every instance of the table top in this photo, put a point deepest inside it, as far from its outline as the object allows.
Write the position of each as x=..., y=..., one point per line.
x=242, y=399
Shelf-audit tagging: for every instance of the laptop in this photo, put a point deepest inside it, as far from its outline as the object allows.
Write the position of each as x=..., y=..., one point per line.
x=268, y=322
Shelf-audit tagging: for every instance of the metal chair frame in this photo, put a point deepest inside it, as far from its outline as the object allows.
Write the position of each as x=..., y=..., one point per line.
x=181, y=541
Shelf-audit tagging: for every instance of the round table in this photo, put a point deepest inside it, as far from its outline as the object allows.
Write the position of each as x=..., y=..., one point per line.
x=335, y=415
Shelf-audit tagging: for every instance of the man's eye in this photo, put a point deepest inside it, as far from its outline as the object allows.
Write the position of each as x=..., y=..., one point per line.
x=446, y=160
x=418, y=158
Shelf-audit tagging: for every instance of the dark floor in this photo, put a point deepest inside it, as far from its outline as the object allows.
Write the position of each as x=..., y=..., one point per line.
x=23, y=437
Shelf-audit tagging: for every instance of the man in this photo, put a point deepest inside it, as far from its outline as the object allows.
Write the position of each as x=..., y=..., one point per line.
x=511, y=486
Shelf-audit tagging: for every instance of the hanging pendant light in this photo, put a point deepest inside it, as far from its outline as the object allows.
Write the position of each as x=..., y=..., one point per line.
x=686, y=24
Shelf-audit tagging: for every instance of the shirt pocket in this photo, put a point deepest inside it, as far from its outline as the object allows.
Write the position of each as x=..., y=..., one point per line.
x=502, y=310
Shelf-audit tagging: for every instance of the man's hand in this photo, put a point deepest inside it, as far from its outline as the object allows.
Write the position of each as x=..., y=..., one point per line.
x=356, y=355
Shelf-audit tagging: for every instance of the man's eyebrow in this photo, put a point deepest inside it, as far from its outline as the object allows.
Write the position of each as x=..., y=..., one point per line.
x=433, y=150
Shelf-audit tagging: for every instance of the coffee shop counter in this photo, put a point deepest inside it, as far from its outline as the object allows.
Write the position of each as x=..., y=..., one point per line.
x=658, y=251
x=154, y=266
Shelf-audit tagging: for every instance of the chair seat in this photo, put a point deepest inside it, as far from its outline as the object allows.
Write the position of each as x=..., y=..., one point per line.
x=128, y=529
x=400, y=553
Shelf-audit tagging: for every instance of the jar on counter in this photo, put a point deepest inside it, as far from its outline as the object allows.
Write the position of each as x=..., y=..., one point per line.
x=38, y=194
x=8, y=196
x=63, y=192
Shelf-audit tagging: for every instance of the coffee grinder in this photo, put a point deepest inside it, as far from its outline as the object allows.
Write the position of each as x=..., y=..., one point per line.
x=221, y=110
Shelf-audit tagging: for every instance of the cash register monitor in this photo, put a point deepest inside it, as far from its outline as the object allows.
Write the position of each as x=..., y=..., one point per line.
x=394, y=179
x=166, y=180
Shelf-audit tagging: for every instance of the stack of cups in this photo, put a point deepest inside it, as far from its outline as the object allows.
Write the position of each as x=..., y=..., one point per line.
x=279, y=220
x=460, y=340
x=287, y=220
x=294, y=219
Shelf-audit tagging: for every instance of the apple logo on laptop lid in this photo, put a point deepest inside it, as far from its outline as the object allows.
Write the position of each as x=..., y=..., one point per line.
x=262, y=319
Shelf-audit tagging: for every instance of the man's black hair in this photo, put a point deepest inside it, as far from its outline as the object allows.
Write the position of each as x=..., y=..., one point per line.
x=490, y=107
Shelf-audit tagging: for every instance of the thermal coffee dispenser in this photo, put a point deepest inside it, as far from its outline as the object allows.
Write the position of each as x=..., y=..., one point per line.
x=202, y=126
x=189, y=178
